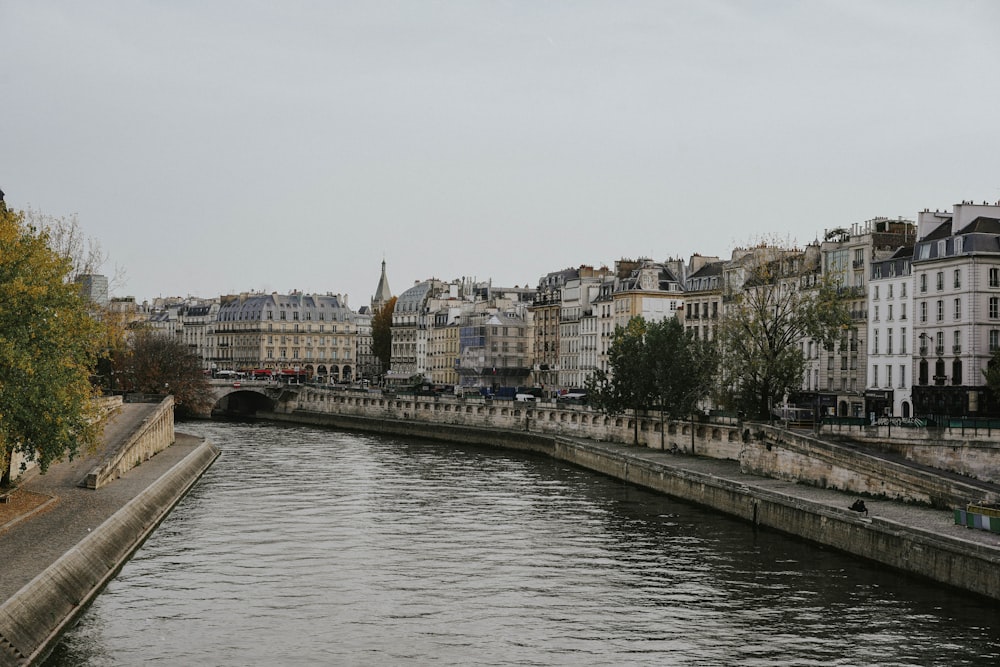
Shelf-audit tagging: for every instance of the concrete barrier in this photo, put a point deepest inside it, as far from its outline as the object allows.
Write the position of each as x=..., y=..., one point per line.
x=32, y=620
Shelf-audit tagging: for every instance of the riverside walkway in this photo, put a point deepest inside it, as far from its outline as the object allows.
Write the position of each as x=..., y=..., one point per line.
x=912, y=517
x=34, y=540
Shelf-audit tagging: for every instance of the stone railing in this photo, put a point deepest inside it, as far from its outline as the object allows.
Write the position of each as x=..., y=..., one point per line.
x=155, y=434
x=711, y=439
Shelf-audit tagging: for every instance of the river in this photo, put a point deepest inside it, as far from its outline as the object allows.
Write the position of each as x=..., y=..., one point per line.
x=306, y=546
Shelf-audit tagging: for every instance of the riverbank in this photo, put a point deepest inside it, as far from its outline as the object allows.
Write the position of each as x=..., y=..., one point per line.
x=58, y=559
x=920, y=540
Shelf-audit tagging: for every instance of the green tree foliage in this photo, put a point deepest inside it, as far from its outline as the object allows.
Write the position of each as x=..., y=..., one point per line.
x=654, y=365
x=152, y=363
x=683, y=367
x=382, y=333
x=763, y=327
x=992, y=375
x=48, y=346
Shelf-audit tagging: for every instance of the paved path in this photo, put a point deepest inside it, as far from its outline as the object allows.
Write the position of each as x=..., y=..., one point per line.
x=34, y=543
x=936, y=521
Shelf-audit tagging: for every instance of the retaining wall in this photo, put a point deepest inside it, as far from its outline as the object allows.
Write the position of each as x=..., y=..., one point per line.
x=760, y=449
x=32, y=620
x=155, y=434
x=783, y=454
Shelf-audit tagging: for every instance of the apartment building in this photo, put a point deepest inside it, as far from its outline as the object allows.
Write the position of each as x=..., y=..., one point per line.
x=890, y=336
x=311, y=334
x=956, y=285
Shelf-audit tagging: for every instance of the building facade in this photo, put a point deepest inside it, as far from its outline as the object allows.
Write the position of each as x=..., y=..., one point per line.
x=956, y=292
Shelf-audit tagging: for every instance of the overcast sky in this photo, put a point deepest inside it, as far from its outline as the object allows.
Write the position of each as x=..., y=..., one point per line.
x=216, y=147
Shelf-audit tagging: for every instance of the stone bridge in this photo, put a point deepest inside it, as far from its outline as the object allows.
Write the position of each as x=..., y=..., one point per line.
x=245, y=397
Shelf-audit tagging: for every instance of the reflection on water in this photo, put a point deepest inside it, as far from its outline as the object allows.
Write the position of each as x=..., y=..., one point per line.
x=310, y=546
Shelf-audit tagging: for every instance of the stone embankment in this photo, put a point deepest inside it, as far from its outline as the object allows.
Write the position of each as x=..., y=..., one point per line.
x=56, y=561
x=753, y=472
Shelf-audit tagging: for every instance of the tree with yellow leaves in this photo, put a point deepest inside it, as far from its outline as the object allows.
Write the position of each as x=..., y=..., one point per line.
x=48, y=346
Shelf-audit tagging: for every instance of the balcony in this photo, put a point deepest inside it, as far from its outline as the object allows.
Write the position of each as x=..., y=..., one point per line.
x=923, y=351
x=956, y=349
x=939, y=350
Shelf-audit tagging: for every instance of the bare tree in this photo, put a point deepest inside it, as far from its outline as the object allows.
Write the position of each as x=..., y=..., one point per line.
x=67, y=238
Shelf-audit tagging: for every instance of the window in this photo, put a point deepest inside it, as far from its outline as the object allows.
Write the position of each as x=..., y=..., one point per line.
x=958, y=278
x=902, y=376
x=958, y=309
x=994, y=307
x=923, y=282
x=875, y=317
x=888, y=341
x=889, y=295
x=994, y=277
x=940, y=310
x=890, y=313
x=902, y=340
x=888, y=375
x=902, y=290
x=923, y=311
x=874, y=375
x=875, y=341
x=876, y=293
x=940, y=280
x=902, y=311
x=994, y=340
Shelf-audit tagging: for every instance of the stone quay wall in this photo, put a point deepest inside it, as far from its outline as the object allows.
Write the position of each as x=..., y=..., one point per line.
x=760, y=449
x=32, y=620
x=154, y=435
x=954, y=562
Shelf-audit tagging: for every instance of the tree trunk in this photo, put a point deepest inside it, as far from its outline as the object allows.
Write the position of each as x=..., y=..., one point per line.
x=635, y=426
x=6, y=457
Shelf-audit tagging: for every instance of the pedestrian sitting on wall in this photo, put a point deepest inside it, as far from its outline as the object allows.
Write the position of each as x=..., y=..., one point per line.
x=859, y=507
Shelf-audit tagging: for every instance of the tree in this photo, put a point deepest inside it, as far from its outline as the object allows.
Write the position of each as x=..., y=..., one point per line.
x=155, y=364
x=682, y=367
x=48, y=346
x=992, y=375
x=629, y=386
x=382, y=333
x=67, y=238
x=654, y=365
x=778, y=307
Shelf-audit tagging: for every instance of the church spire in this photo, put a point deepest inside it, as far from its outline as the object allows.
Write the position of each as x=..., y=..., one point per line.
x=382, y=292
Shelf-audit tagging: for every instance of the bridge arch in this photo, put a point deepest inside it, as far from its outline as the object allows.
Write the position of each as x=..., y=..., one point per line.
x=244, y=399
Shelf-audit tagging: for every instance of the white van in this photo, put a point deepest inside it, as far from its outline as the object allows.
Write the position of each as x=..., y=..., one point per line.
x=525, y=398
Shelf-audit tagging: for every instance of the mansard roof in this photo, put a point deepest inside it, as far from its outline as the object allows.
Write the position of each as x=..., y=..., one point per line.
x=942, y=231
x=982, y=225
x=253, y=306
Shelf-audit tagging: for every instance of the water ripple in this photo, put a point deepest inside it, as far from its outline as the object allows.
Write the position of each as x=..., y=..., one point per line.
x=305, y=546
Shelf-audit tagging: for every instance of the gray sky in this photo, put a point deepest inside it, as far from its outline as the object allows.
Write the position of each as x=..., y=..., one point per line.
x=215, y=147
